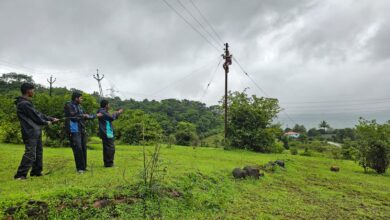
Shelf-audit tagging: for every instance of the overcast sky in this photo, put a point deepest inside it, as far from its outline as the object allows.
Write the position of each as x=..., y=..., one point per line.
x=324, y=60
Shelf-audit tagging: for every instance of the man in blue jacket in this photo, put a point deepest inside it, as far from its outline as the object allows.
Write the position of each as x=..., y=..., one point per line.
x=31, y=122
x=75, y=128
x=106, y=132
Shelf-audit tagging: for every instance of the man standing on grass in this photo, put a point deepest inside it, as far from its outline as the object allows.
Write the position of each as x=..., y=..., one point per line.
x=75, y=127
x=31, y=122
x=106, y=132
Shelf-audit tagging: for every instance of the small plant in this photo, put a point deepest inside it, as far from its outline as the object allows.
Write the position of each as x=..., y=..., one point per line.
x=306, y=152
x=293, y=151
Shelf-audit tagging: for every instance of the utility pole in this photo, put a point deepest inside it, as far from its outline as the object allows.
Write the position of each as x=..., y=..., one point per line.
x=97, y=77
x=228, y=61
x=51, y=81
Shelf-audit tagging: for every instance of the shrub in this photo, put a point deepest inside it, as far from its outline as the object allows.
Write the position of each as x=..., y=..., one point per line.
x=277, y=147
x=306, y=152
x=293, y=151
x=186, y=134
x=137, y=127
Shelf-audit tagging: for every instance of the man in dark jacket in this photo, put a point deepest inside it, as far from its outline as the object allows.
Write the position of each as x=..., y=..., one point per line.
x=75, y=128
x=106, y=132
x=31, y=122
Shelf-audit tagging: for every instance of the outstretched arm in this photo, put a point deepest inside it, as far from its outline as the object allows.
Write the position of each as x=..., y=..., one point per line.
x=34, y=115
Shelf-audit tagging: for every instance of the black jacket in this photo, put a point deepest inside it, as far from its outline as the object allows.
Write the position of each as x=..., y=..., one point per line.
x=31, y=121
x=74, y=116
x=105, y=122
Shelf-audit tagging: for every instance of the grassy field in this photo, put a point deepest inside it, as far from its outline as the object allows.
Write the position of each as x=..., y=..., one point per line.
x=197, y=185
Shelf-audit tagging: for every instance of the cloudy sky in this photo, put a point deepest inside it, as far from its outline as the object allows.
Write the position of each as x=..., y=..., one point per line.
x=324, y=60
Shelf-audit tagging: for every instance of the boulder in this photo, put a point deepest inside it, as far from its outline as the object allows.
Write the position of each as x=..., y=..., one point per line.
x=238, y=173
x=334, y=168
x=252, y=171
x=280, y=163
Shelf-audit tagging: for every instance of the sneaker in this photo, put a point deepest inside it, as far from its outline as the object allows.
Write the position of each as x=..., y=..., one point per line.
x=20, y=178
x=80, y=171
x=33, y=174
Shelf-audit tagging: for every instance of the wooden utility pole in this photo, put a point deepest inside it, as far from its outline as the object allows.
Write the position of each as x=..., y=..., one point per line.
x=228, y=61
x=51, y=81
x=97, y=77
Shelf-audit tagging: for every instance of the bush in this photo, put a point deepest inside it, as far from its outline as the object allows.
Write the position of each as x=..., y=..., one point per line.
x=293, y=151
x=137, y=127
x=306, y=152
x=348, y=150
x=9, y=123
x=277, y=147
x=186, y=134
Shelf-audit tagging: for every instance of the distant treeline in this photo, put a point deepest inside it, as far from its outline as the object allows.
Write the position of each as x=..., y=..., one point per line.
x=165, y=118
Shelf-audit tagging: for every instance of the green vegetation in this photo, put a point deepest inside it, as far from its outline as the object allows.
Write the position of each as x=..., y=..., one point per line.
x=159, y=119
x=250, y=122
x=197, y=185
x=373, y=145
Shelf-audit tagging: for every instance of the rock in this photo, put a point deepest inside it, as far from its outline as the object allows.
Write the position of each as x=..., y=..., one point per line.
x=37, y=209
x=12, y=210
x=280, y=163
x=335, y=168
x=101, y=203
x=252, y=171
x=175, y=193
x=238, y=173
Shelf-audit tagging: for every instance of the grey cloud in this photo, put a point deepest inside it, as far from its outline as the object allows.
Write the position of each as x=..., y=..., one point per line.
x=295, y=49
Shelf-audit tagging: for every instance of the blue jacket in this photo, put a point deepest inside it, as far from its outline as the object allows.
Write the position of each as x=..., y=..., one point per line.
x=75, y=121
x=106, y=130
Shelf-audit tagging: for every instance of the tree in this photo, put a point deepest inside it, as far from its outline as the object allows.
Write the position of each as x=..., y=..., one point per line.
x=186, y=134
x=324, y=125
x=250, y=120
x=313, y=132
x=373, y=145
x=299, y=128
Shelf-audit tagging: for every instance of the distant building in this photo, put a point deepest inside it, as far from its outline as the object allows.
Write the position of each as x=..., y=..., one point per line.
x=292, y=134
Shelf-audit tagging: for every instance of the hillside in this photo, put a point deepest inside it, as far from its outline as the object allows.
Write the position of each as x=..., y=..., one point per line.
x=197, y=185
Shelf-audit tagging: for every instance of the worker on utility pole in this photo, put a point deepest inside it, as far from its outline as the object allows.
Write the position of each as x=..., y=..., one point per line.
x=228, y=61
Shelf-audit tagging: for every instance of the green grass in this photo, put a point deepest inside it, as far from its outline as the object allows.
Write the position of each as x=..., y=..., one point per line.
x=305, y=189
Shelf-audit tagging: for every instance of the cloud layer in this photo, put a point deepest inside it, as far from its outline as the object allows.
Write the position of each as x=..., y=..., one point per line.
x=301, y=52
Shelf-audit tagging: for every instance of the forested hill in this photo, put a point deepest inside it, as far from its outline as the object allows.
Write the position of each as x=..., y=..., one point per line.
x=168, y=112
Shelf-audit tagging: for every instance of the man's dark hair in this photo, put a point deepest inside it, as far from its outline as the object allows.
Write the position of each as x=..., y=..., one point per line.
x=25, y=87
x=76, y=95
x=103, y=103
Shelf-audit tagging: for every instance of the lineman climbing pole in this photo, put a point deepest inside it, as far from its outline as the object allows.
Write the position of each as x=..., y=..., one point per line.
x=228, y=61
x=97, y=77
x=51, y=81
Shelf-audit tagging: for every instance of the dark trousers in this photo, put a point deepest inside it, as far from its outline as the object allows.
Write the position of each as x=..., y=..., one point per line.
x=108, y=151
x=78, y=142
x=33, y=154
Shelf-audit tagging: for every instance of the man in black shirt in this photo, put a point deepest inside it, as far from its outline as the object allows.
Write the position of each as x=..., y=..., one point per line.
x=75, y=127
x=31, y=122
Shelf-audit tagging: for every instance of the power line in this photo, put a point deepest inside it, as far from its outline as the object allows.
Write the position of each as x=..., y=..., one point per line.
x=262, y=90
x=212, y=78
x=181, y=79
x=197, y=21
x=207, y=22
x=339, y=101
x=195, y=29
